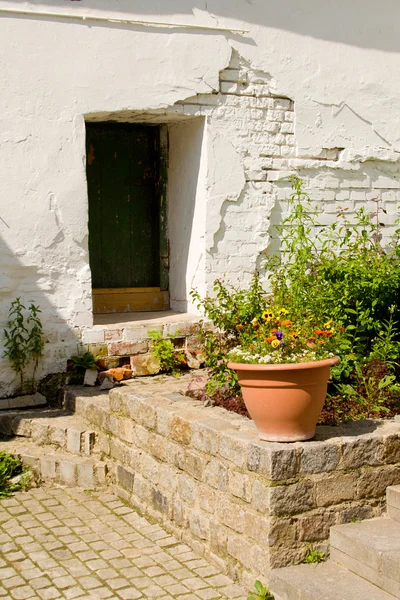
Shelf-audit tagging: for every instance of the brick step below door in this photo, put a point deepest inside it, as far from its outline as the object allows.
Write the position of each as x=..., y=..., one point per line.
x=54, y=428
x=61, y=467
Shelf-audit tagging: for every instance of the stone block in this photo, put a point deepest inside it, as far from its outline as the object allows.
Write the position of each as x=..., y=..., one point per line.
x=90, y=377
x=194, y=464
x=108, y=362
x=315, y=527
x=218, y=538
x=240, y=485
x=216, y=475
x=319, y=457
x=67, y=472
x=39, y=432
x=372, y=483
x=93, y=336
x=282, y=532
x=98, y=350
x=206, y=434
x=126, y=429
x=100, y=473
x=240, y=548
x=86, y=476
x=125, y=477
x=199, y=525
x=233, y=446
x=113, y=335
x=206, y=498
x=257, y=527
x=127, y=348
x=187, y=489
x=391, y=451
x=144, y=364
x=58, y=435
x=159, y=500
x=21, y=427
x=291, y=499
x=89, y=440
x=141, y=410
x=335, y=489
x=230, y=514
x=180, y=429
x=168, y=477
x=149, y=467
x=367, y=450
x=260, y=497
x=74, y=437
x=48, y=467
x=274, y=461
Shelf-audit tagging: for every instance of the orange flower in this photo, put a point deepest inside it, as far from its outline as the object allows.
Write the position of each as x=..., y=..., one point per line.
x=273, y=331
x=311, y=339
x=239, y=327
x=322, y=342
x=294, y=335
x=328, y=333
x=319, y=332
x=270, y=339
x=287, y=323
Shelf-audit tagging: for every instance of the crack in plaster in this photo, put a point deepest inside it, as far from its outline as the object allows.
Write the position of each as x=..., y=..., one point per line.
x=341, y=106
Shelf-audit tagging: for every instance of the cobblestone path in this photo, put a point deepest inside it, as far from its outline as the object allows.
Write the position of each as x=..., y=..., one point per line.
x=67, y=543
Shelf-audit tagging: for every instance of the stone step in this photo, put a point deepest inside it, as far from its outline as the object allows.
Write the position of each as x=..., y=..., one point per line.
x=56, y=428
x=393, y=502
x=370, y=549
x=60, y=467
x=327, y=581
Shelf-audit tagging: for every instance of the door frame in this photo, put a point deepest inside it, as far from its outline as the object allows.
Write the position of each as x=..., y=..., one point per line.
x=143, y=299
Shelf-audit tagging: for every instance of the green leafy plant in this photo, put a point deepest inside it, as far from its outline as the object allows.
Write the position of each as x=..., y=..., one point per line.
x=24, y=341
x=227, y=308
x=314, y=556
x=260, y=592
x=171, y=361
x=84, y=361
x=9, y=468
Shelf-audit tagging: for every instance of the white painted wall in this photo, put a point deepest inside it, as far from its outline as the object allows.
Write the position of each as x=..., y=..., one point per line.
x=187, y=211
x=338, y=63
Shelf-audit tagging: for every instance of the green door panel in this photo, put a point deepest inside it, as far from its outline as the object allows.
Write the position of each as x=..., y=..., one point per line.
x=124, y=204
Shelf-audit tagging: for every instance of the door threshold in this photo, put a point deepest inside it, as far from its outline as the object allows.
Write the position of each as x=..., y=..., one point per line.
x=127, y=300
x=160, y=317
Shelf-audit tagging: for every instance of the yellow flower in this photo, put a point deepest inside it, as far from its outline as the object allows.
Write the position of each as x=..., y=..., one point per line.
x=328, y=325
x=268, y=315
x=283, y=311
x=275, y=343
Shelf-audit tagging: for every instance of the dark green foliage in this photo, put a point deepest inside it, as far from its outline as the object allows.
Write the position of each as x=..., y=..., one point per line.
x=84, y=361
x=171, y=361
x=24, y=340
x=9, y=468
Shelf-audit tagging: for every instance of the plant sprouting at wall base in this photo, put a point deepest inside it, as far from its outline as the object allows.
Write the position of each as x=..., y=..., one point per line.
x=260, y=592
x=24, y=340
x=171, y=361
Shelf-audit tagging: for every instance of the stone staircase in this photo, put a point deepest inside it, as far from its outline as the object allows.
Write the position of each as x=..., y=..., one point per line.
x=58, y=446
x=364, y=563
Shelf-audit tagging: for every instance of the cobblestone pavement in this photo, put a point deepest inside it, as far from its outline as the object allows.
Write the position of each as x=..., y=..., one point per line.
x=67, y=543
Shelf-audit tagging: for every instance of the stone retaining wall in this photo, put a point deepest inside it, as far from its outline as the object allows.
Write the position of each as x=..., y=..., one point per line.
x=246, y=504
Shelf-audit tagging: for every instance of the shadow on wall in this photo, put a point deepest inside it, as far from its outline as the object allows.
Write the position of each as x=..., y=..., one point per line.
x=374, y=26
x=19, y=279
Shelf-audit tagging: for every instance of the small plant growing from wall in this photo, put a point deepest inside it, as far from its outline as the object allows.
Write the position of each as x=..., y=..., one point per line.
x=24, y=342
x=260, y=592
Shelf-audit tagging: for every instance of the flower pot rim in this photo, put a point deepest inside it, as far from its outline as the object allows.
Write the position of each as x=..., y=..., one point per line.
x=326, y=362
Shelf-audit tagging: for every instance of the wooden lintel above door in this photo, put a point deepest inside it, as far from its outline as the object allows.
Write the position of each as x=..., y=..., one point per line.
x=120, y=300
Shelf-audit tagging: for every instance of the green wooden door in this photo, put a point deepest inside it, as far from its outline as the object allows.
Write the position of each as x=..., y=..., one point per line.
x=123, y=174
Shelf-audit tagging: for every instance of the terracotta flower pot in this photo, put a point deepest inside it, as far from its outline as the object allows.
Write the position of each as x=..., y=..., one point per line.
x=285, y=400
